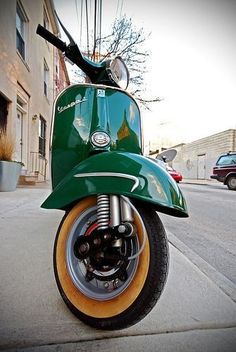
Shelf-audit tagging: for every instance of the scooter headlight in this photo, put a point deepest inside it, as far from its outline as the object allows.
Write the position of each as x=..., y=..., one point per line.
x=100, y=139
x=118, y=72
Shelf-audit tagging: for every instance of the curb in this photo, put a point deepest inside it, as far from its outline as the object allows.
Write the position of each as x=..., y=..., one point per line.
x=200, y=182
x=227, y=286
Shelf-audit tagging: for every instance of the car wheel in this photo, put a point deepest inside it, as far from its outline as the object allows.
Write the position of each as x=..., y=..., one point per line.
x=231, y=183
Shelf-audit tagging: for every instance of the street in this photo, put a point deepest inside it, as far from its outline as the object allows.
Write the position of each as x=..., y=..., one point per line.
x=210, y=230
x=194, y=313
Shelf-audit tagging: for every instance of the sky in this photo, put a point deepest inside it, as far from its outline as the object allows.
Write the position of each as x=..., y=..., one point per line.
x=192, y=63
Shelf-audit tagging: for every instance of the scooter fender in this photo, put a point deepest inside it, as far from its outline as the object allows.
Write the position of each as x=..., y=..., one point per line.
x=120, y=173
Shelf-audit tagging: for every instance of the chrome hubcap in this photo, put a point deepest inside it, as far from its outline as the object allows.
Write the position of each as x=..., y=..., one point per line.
x=99, y=282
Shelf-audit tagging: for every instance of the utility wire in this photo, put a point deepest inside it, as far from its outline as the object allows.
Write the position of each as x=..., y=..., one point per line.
x=87, y=26
x=77, y=15
x=81, y=23
x=119, y=8
x=94, y=29
x=100, y=27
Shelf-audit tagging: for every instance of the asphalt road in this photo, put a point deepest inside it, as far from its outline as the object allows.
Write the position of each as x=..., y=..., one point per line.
x=210, y=231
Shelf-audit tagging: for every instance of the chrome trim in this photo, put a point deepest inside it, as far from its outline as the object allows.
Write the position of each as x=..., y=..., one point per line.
x=102, y=143
x=115, y=210
x=101, y=86
x=111, y=174
x=145, y=236
x=126, y=212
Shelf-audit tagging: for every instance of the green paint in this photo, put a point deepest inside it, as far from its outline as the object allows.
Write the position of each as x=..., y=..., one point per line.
x=82, y=109
x=155, y=185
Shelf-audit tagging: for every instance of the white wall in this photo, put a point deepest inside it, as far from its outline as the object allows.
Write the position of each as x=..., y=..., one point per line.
x=187, y=157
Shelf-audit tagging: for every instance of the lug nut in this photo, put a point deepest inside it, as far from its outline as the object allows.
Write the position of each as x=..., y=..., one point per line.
x=96, y=241
x=84, y=248
x=122, y=229
x=90, y=268
x=116, y=283
x=106, y=285
x=107, y=237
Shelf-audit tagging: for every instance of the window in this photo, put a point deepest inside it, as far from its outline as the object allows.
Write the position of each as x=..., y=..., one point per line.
x=42, y=136
x=3, y=112
x=20, y=30
x=20, y=136
x=227, y=160
x=45, y=79
x=45, y=19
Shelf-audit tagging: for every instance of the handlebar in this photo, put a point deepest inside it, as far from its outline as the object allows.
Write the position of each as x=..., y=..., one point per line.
x=51, y=38
x=95, y=71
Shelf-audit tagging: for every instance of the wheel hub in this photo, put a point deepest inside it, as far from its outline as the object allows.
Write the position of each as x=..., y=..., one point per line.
x=106, y=251
x=98, y=260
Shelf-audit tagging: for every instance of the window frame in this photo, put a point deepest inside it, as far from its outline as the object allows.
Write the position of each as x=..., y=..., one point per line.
x=21, y=31
x=45, y=79
x=45, y=19
x=42, y=136
x=4, y=110
x=228, y=160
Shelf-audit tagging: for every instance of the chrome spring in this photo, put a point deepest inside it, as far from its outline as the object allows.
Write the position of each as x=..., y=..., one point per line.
x=103, y=211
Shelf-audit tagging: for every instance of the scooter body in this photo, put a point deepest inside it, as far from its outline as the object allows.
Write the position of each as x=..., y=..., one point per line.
x=81, y=169
x=111, y=251
x=83, y=109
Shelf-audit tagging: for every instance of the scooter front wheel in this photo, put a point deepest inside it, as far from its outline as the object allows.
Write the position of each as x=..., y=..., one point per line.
x=110, y=293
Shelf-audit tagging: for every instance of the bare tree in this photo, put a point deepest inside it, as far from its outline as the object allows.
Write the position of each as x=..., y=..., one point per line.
x=128, y=42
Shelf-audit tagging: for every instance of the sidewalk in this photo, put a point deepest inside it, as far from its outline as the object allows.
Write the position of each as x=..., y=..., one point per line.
x=200, y=181
x=193, y=314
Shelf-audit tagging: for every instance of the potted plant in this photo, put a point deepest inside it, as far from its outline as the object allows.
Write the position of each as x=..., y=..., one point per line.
x=9, y=169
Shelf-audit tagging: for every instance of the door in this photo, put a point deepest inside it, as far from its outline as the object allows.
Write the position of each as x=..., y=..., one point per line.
x=3, y=112
x=19, y=136
x=201, y=166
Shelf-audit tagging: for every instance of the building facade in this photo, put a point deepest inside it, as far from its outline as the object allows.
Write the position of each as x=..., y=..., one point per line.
x=32, y=73
x=195, y=160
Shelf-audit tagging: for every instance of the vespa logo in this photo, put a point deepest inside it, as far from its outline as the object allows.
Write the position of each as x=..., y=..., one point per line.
x=70, y=105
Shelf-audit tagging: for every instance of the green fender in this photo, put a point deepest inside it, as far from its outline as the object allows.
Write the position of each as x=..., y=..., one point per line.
x=121, y=173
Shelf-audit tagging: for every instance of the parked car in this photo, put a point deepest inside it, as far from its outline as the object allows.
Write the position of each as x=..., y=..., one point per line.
x=175, y=174
x=225, y=170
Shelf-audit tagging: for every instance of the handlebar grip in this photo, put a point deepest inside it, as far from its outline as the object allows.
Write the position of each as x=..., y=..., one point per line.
x=51, y=38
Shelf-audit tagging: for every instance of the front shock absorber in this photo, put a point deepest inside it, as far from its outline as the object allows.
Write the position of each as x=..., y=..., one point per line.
x=103, y=211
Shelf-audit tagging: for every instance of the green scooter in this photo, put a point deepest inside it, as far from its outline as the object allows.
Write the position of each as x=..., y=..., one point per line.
x=111, y=250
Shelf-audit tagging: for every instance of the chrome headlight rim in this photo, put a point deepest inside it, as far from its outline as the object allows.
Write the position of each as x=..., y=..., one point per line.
x=100, y=139
x=120, y=77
